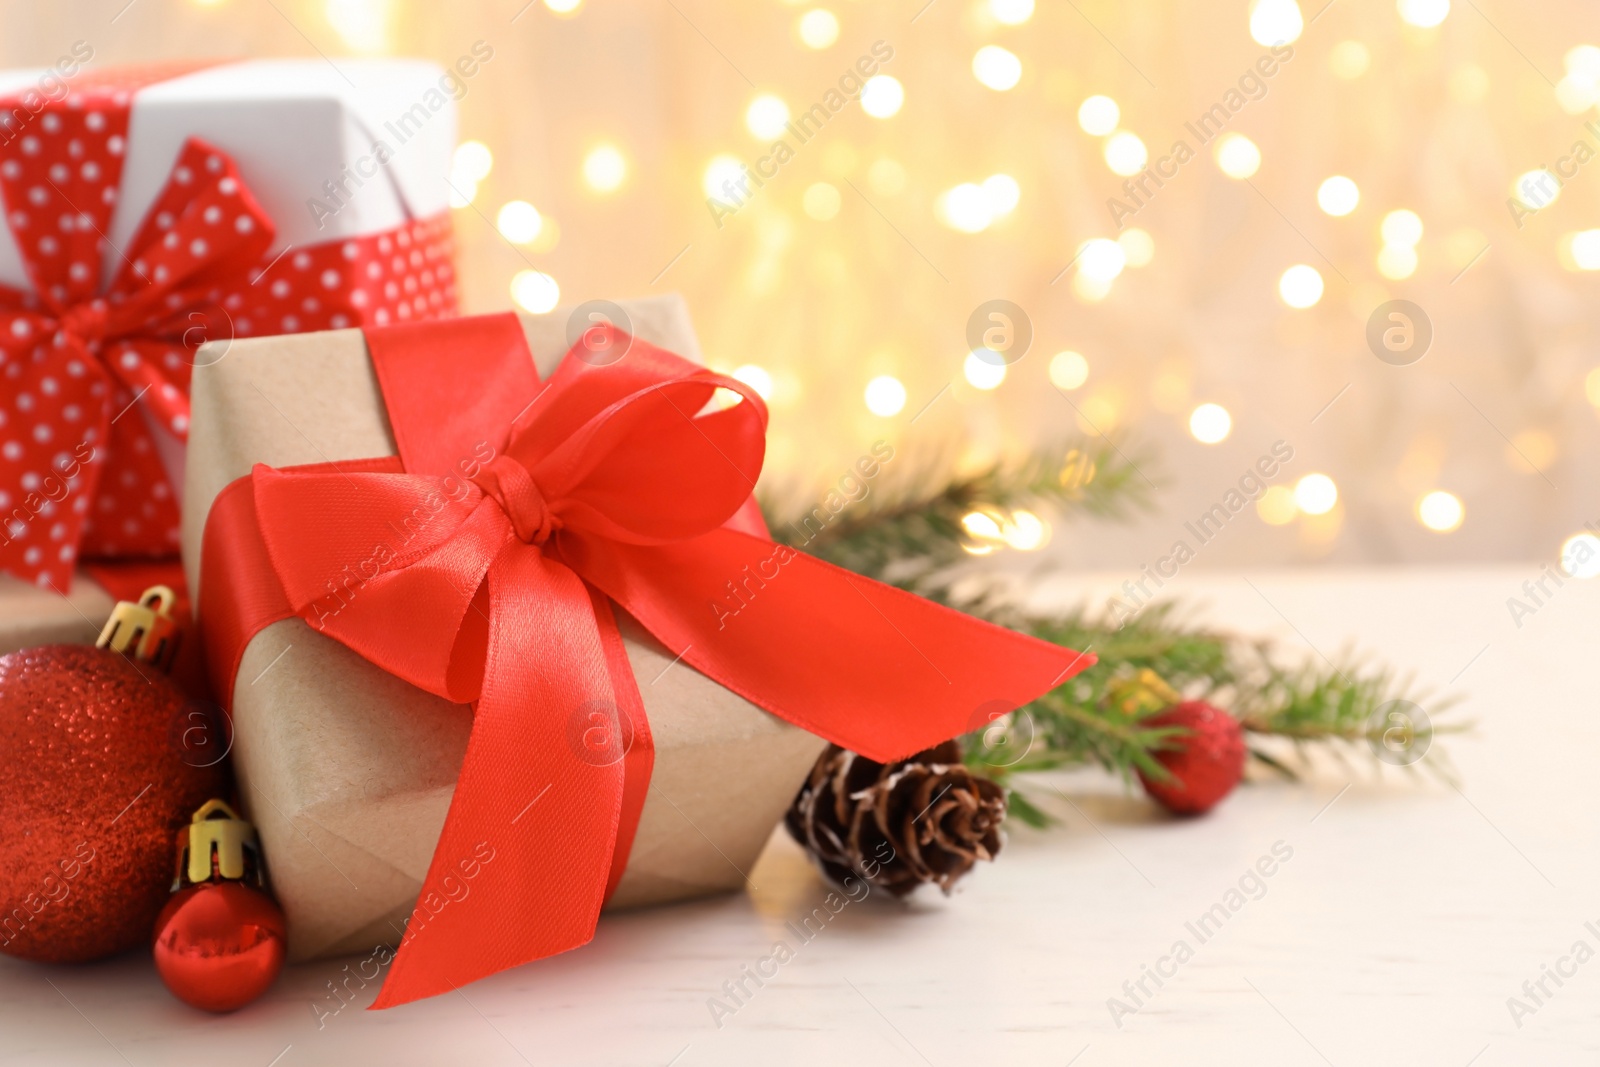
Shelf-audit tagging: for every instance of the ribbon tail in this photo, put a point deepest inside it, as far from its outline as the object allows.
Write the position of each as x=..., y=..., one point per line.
x=520, y=871
x=637, y=744
x=872, y=668
x=135, y=508
x=46, y=518
x=142, y=366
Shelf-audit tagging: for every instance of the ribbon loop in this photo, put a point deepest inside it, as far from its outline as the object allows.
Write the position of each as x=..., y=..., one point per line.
x=643, y=460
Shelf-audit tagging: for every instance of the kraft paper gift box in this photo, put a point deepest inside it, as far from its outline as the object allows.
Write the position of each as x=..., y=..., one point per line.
x=306, y=143
x=32, y=616
x=348, y=771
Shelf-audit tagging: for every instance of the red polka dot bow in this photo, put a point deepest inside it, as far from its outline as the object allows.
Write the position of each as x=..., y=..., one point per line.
x=95, y=358
x=86, y=369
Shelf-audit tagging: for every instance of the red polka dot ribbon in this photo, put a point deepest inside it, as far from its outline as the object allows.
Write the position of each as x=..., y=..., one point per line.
x=92, y=374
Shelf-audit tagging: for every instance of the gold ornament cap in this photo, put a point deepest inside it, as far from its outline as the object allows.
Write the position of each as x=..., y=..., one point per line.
x=218, y=845
x=1145, y=691
x=146, y=630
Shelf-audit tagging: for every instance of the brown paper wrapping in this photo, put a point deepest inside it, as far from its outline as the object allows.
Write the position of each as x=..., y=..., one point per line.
x=32, y=616
x=348, y=771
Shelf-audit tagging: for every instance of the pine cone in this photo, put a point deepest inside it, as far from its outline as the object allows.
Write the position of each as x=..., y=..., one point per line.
x=922, y=819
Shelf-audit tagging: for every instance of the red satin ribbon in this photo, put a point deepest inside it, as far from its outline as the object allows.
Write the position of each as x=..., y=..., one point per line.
x=491, y=584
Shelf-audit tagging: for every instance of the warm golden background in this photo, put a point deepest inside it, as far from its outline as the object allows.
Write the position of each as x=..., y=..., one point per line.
x=983, y=174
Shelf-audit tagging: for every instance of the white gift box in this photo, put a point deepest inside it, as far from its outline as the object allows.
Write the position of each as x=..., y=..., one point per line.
x=291, y=125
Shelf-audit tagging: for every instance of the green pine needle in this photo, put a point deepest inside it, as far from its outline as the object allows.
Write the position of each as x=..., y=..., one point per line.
x=1019, y=806
x=1337, y=705
x=906, y=532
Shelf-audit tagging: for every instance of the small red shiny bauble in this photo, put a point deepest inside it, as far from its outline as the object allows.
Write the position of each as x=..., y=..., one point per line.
x=92, y=789
x=1207, y=762
x=219, y=945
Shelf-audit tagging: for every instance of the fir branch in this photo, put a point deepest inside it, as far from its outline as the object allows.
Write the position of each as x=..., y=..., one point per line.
x=905, y=533
x=913, y=537
x=1308, y=702
x=1344, y=704
x=1086, y=719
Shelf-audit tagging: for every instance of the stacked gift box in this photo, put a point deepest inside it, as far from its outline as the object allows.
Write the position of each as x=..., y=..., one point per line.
x=150, y=211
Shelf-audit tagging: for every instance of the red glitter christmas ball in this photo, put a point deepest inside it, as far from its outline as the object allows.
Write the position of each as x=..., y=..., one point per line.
x=1206, y=763
x=219, y=945
x=92, y=790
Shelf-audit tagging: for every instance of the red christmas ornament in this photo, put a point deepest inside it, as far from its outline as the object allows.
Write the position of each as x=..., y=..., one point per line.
x=219, y=942
x=92, y=787
x=1206, y=763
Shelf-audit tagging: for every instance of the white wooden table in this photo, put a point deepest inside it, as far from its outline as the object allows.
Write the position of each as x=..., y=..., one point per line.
x=1406, y=917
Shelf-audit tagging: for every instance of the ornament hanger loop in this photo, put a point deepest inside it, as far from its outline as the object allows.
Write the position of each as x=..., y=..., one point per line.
x=145, y=630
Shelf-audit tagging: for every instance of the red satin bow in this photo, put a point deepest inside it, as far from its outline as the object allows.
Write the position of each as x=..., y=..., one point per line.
x=77, y=359
x=615, y=482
